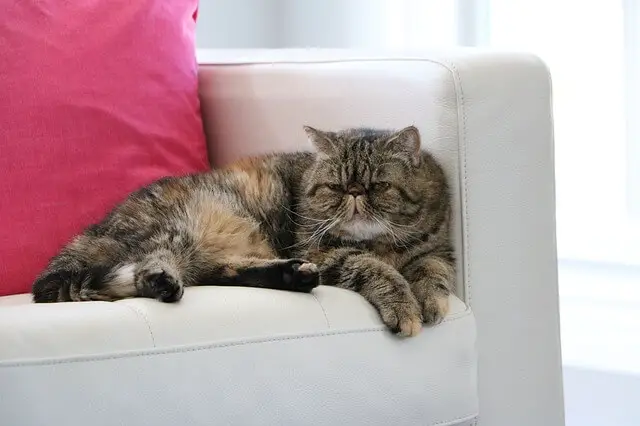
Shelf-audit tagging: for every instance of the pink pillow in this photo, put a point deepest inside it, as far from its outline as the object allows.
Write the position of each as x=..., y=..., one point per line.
x=97, y=98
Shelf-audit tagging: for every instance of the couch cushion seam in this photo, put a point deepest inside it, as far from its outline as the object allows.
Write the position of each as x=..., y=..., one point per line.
x=144, y=317
x=326, y=318
x=202, y=347
x=462, y=150
x=462, y=175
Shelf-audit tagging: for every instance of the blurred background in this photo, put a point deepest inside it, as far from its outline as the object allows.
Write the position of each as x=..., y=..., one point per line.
x=593, y=51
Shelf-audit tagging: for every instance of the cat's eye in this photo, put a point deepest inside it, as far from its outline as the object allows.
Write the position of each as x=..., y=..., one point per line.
x=334, y=187
x=381, y=186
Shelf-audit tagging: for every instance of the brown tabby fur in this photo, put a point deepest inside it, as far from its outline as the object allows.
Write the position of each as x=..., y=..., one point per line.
x=369, y=212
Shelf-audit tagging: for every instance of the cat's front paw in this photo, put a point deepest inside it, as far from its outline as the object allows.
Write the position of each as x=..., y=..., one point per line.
x=162, y=285
x=402, y=317
x=435, y=308
x=300, y=275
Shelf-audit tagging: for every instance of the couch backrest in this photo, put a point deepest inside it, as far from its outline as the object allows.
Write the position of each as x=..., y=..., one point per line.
x=260, y=105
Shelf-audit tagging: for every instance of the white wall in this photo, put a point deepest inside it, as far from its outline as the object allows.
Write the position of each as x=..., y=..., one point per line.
x=333, y=23
x=325, y=23
x=238, y=24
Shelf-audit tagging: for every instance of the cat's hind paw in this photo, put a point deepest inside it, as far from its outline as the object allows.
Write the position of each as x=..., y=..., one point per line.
x=161, y=285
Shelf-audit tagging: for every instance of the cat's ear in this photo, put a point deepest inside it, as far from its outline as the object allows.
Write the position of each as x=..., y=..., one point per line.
x=321, y=141
x=406, y=144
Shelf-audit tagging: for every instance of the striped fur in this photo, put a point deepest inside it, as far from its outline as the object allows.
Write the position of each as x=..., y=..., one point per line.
x=369, y=211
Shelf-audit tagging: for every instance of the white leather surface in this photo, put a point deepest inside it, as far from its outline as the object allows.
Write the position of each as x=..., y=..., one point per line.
x=487, y=117
x=509, y=247
x=205, y=315
x=231, y=356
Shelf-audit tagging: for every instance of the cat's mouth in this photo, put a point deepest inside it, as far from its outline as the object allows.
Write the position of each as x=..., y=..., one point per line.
x=358, y=224
x=359, y=228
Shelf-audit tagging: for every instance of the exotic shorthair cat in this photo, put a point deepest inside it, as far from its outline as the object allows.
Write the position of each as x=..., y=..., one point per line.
x=368, y=211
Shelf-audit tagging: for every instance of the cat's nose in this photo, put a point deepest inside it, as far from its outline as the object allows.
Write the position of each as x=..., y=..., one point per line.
x=355, y=189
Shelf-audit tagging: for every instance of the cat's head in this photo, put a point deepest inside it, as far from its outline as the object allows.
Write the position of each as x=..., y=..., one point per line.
x=370, y=183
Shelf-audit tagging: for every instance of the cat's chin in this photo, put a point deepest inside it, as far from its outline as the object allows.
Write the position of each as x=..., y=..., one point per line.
x=358, y=229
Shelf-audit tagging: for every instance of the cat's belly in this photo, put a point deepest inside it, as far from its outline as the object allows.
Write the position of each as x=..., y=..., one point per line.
x=219, y=231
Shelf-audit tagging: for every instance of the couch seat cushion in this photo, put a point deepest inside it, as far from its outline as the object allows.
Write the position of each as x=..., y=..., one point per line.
x=245, y=354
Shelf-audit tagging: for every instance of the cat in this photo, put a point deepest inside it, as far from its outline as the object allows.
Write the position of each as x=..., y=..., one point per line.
x=368, y=211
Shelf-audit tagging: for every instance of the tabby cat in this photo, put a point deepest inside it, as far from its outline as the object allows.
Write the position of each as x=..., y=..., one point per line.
x=368, y=211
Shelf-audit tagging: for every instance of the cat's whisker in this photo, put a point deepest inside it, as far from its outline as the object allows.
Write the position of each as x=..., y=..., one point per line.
x=411, y=225
x=410, y=239
x=305, y=217
x=327, y=229
x=322, y=228
x=315, y=227
x=302, y=225
x=401, y=237
x=386, y=227
x=318, y=233
x=302, y=242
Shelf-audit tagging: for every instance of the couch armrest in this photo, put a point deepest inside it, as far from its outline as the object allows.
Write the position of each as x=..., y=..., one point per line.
x=509, y=246
x=487, y=117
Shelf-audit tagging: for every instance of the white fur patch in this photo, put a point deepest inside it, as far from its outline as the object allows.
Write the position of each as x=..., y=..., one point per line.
x=360, y=230
x=124, y=275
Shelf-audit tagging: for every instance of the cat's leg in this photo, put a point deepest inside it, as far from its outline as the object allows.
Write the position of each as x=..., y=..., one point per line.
x=159, y=275
x=432, y=277
x=279, y=274
x=74, y=277
x=379, y=283
x=54, y=282
x=101, y=268
x=86, y=269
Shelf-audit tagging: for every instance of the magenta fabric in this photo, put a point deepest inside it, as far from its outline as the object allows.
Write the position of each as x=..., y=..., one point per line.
x=97, y=98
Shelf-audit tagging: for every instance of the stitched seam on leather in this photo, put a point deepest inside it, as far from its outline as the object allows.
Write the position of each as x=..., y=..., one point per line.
x=144, y=317
x=197, y=348
x=326, y=318
x=452, y=422
x=462, y=178
x=240, y=63
x=467, y=224
x=322, y=61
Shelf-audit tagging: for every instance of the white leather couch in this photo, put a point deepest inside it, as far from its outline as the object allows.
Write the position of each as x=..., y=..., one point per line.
x=239, y=356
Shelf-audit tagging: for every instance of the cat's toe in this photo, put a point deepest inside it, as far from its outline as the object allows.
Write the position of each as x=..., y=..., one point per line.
x=435, y=308
x=164, y=287
x=301, y=275
x=307, y=276
x=306, y=272
x=403, y=319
